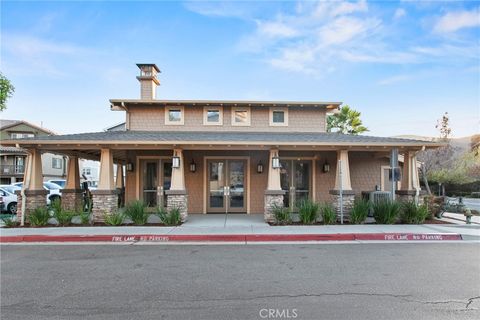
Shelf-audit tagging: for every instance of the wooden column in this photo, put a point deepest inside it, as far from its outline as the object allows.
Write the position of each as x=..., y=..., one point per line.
x=105, y=181
x=273, y=173
x=410, y=172
x=119, y=182
x=73, y=174
x=178, y=174
x=36, y=176
x=105, y=198
x=342, y=155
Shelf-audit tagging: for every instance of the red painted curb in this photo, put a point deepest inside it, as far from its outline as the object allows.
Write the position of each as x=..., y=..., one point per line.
x=235, y=237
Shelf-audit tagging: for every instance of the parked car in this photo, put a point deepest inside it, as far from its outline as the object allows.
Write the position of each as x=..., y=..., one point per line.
x=53, y=191
x=9, y=198
x=60, y=182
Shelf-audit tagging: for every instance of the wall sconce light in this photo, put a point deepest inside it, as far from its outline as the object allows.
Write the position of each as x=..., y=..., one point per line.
x=175, y=162
x=129, y=166
x=193, y=166
x=326, y=167
x=260, y=167
x=276, y=162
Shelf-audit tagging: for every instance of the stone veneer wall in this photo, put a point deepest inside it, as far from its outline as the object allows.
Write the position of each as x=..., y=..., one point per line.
x=104, y=202
x=72, y=199
x=178, y=200
x=272, y=200
x=34, y=199
x=348, y=199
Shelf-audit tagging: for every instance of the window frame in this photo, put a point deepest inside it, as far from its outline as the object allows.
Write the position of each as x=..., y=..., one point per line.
x=174, y=123
x=205, y=116
x=59, y=161
x=285, y=117
x=240, y=124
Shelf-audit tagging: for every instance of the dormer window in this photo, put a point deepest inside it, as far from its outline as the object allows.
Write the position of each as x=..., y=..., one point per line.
x=240, y=116
x=278, y=117
x=213, y=116
x=174, y=115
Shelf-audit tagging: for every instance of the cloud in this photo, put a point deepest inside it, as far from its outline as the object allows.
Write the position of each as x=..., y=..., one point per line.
x=454, y=21
x=399, y=13
x=275, y=29
x=394, y=79
x=317, y=38
x=30, y=55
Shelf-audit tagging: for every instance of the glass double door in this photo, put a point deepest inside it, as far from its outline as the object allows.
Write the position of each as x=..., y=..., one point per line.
x=156, y=178
x=226, y=186
x=295, y=180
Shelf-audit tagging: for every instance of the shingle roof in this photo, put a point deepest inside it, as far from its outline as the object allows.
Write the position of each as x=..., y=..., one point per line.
x=7, y=123
x=12, y=150
x=225, y=137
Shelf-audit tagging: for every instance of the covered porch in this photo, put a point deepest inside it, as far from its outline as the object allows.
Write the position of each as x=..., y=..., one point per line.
x=235, y=173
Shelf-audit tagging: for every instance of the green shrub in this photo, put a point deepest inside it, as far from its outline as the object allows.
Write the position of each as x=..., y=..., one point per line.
x=39, y=217
x=114, y=219
x=172, y=218
x=85, y=217
x=329, y=215
x=10, y=222
x=386, y=212
x=308, y=211
x=135, y=210
x=282, y=215
x=411, y=213
x=359, y=211
x=63, y=217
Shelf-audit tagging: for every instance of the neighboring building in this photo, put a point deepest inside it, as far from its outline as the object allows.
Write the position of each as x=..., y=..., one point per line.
x=13, y=160
x=241, y=157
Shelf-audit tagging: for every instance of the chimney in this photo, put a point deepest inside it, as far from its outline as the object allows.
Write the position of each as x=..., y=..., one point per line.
x=148, y=80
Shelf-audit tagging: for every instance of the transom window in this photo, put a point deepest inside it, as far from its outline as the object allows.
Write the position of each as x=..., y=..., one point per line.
x=240, y=116
x=278, y=117
x=213, y=116
x=174, y=115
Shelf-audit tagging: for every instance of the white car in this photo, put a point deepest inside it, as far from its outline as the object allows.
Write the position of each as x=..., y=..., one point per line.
x=7, y=192
x=52, y=188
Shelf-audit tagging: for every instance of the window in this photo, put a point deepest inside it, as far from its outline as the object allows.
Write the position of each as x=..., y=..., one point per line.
x=57, y=163
x=213, y=116
x=20, y=135
x=240, y=116
x=174, y=115
x=278, y=117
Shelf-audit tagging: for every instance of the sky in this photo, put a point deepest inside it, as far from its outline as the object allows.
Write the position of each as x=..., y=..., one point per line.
x=402, y=64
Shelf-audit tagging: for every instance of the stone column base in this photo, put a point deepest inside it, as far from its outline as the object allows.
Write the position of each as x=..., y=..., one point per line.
x=104, y=202
x=273, y=198
x=348, y=199
x=405, y=195
x=33, y=199
x=72, y=199
x=178, y=199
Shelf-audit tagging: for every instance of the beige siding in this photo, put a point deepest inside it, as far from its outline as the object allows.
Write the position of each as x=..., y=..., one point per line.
x=301, y=119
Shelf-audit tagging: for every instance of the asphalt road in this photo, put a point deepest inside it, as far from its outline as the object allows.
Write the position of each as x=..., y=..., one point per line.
x=326, y=281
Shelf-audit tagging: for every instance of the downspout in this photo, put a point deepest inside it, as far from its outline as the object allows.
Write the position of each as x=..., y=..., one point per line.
x=25, y=184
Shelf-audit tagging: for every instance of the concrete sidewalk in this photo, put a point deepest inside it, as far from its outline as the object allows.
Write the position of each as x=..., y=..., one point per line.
x=243, y=233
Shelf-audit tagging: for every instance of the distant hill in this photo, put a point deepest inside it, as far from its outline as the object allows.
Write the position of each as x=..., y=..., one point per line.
x=460, y=144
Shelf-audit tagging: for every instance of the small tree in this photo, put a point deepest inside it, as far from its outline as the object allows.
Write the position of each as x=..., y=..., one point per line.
x=438, y=160
x=347, y=121
x=6, y=91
